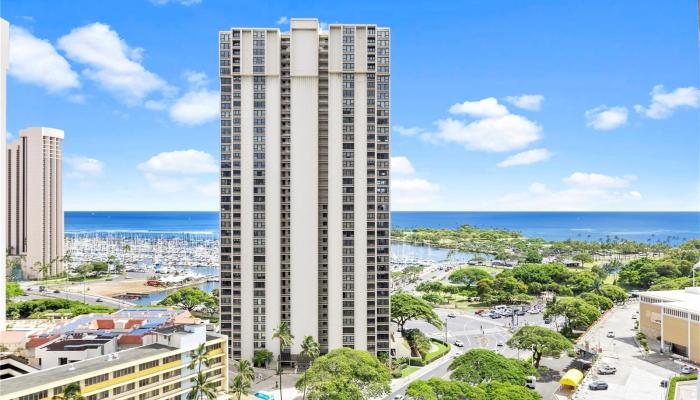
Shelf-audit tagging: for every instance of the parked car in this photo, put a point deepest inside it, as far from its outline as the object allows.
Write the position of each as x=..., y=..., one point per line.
x=56, y=291
x=606, y=370
x=495, y=316
x=399, y=397
x=478, y=312
x=459, y=343
x=451, y=315
x=499, y=344
x=598, y=385
x=520, y=313
x=687, y=370
x=547, y=320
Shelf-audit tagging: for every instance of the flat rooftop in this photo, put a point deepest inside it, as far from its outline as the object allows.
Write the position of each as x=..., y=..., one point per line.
x=71, y=371
x=686, y=300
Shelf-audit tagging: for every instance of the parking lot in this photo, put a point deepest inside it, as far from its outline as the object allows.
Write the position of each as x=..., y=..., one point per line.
x=638, y=375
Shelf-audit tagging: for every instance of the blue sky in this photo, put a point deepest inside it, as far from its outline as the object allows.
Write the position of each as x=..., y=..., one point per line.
x=609, y=120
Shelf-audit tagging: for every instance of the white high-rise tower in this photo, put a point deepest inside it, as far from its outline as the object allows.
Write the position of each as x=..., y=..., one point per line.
x=305, y=186
x=4, y=56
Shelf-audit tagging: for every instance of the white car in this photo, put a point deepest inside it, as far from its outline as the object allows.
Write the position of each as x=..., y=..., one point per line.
x=687, y=370
x=452, y=315
x=459, y=343
x=399, y=397
x=610, y=334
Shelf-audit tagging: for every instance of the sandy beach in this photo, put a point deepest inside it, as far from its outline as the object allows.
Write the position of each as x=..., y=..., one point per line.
x=111, y=288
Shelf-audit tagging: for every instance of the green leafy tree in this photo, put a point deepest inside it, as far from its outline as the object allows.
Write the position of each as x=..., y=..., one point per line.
x=202, y=388
x=614, y=293
x=583, y=258
x=533, y=257
x=542, y=342
x=239, y=387
x=496, y=390
x=346, y=374
x=578, y=314
x=480, y=365
x=262, y=357
x=284, y=336
x=12, y=290
x=310, y=350
x=71, y=391
x=419, y=343
x=405, y=307
x=190, y=298
x=468, y=276
x=600, y=302
x=442, y=389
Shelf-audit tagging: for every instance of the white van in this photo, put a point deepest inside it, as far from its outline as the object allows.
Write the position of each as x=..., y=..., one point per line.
x=530, y=381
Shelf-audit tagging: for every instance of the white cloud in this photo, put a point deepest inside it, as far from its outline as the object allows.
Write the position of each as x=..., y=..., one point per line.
x=181, y=171
x=156, y=105
x=282, y=20
x=196, y=107
x=196, y=78
x=411, y=131
x=181, y=2
x=583, y=192
x=80, y=167
x=484, y=108
x=400, y=165
x=409, y=191
x=36, y=61
x=604, y=118
x=111, y=62
x=593, y=180
x=664, y=103
x=181, y=162
x=497, y=134
x=526, y=158
x=532, y=102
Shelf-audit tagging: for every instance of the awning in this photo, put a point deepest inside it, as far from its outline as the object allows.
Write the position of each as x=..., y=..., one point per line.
x=572, y=378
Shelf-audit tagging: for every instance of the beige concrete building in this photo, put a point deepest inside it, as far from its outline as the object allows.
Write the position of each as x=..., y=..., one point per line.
x=35, y=200
x=672, y=317
x=305, y=186
x=4, y=57
x=157, y=370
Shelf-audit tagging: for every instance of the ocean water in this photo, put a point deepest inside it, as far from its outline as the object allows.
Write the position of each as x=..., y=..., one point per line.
x=671, y=227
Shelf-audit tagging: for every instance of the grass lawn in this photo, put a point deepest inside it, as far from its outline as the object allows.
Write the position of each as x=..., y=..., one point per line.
x=408, y=371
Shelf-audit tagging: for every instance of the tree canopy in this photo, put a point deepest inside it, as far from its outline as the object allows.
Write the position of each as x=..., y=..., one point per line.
x=405, y=307
x=480, y=365
x=442, y=389
x=346, y=374
x=599, y=301
x=190, y=298
x=577, y=312
x=468, y=276
x=542, y=341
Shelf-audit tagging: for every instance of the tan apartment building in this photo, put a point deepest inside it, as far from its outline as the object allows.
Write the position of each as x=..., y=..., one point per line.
x=672, y=317
x=158, y=370
x=304, y=227
x=35, y=200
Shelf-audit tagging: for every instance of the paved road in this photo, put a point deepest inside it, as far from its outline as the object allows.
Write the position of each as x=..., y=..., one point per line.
x=474, y=332
x=638, y=375
x=32, y=291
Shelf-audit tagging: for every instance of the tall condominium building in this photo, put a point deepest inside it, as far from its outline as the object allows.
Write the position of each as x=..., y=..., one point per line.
x=4, y=56
x=35, y=201
x=305, y=186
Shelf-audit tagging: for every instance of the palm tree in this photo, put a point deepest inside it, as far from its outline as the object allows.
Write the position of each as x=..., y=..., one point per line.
x=309, y=349
x=199, y=356
x=246, y=371
x=239, y=387
x=42, y=268
x=285, y=337
x=126, y=248
x=70, y=392
x=202, y=388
